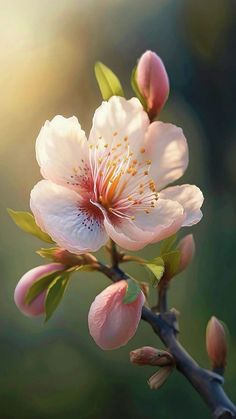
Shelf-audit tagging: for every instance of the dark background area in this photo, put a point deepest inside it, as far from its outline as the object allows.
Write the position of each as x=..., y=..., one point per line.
x=48, y=49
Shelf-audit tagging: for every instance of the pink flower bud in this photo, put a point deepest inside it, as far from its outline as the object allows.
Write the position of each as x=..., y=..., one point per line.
x=151, y=356
x=216, y=343
x=187, y=250
x=37, y=306
x=153, y=82
x=111, y=322
x=67, y=258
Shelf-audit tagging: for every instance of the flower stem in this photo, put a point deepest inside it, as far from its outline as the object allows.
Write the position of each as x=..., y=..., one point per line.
x=114, y=254
x=129, y=258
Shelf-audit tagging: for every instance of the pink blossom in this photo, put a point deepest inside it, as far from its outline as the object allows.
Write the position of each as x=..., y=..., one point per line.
x=37, y=306
x=153, y=82
x=112, y=185
x=111, y=322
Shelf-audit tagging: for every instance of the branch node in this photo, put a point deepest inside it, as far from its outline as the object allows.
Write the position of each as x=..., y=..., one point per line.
x=215, y=377
x=171, y=319
x=223, y=413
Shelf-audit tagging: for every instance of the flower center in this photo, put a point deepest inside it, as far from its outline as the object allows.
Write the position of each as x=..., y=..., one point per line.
x=122, y=184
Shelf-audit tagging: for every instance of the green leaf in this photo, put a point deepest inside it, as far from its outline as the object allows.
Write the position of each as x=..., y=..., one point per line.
x=55, y=294
x=135, y=87
x=172, y=260
x=132, y=291
x=157, y=267
x=26, y=222
x=108, y=82
x=40, y=285
x=83, y=268
x=167, y=245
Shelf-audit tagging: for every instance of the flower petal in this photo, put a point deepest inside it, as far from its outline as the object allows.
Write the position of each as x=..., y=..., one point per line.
x=167, y=147
x=62, y=151
x=190, y=197
x=126, y=234
x=163, y=221
x=120, y=121
x=73, y=224
x=111, y=322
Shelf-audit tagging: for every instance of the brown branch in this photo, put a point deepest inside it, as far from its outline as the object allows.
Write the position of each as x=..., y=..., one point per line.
x=115, y=257
x=208, y=384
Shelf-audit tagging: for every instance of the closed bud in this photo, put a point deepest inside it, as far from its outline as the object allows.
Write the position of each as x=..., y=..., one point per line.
x=111, y=322
x=70, y=259
x=36, y=307
x=66, y=258
x=216, y=343
x=160, y=377
x=153, y=82
x=151, y=356
x=186, y=247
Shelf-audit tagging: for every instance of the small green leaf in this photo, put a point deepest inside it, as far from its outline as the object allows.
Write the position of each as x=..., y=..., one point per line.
x=26, y=222
x=108, y=82
x=167, y=245
x=157, y=267
x=47, y=252
x=55, y=293
x=135, y=87
x=40, y=285
x=83, y=268
x=132, y=291
x=171, y=261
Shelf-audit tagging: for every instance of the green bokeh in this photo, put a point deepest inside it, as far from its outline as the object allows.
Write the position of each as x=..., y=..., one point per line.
x=47, y=55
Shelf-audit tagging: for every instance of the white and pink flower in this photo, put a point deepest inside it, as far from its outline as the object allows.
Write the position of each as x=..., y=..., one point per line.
x=112, y=185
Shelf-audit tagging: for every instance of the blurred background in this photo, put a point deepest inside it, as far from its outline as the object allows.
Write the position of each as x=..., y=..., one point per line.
x=48, y=49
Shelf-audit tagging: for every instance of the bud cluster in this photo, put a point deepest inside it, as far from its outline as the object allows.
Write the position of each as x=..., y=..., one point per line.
x=154, y=357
